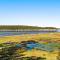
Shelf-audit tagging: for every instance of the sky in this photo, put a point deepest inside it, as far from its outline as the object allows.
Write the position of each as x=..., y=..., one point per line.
x=43, y=13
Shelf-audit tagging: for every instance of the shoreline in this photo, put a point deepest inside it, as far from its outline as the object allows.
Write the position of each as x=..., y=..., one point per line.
x=25, y=37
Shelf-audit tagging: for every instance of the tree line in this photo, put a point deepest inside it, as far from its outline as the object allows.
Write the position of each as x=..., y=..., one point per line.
x=16, y=27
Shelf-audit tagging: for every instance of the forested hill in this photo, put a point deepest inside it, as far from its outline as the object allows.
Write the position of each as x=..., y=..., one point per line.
x=14, y=27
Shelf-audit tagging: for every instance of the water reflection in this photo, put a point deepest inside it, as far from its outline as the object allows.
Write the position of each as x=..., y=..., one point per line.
x=20, y=33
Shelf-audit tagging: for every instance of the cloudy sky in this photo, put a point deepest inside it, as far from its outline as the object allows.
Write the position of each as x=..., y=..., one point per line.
x=30, y=12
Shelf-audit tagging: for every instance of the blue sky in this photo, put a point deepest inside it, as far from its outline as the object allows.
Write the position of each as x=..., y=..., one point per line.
x=30, y=12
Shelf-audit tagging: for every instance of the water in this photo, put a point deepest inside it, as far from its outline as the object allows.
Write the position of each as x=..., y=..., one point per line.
x=45, y=47
x=58, y=30
x=38, y=46
x=20, y=33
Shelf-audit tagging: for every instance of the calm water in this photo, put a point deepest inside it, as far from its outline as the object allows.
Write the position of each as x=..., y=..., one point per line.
x=19, y=33
x=25, y=32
